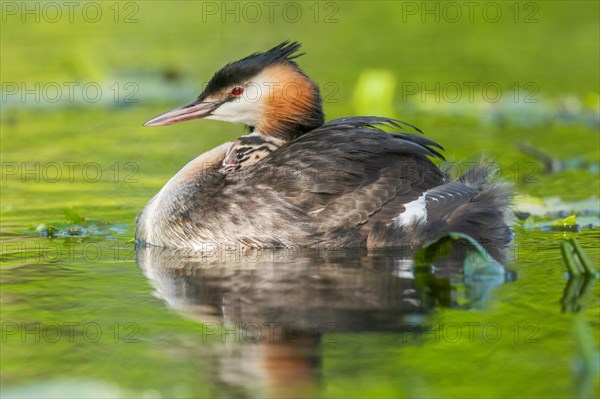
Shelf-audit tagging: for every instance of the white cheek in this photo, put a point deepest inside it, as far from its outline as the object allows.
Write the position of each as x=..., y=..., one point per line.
x=244, y=109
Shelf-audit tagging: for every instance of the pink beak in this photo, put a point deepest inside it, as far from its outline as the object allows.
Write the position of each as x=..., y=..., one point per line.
x=194, y=110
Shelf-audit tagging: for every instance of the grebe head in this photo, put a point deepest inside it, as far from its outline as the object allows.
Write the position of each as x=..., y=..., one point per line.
x=267, y=92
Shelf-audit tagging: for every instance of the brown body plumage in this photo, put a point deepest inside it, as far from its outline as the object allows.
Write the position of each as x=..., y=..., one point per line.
x=345, y=183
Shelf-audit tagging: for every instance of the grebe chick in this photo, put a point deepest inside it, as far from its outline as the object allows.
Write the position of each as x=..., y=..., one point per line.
x=248, y=150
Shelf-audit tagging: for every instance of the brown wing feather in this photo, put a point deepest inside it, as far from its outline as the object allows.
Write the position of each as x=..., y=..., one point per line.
x=344, y=177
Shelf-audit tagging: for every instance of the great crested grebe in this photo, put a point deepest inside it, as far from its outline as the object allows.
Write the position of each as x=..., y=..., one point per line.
x=297, y=182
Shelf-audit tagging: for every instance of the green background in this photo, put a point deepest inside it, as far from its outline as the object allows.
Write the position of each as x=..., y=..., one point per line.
x=149, y=56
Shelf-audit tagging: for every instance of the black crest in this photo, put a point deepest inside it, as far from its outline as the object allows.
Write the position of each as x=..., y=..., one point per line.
x=240, y=71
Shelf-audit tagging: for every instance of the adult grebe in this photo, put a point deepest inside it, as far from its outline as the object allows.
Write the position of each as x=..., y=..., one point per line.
x=345, y=183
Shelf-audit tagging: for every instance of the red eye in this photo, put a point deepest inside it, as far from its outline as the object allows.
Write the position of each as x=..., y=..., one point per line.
x=237, y=91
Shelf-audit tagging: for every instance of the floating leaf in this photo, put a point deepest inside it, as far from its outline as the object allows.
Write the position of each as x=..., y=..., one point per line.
x=570, y=220
x=481, y=262
x=433, y=251
x=476, y=262
x=555, y=207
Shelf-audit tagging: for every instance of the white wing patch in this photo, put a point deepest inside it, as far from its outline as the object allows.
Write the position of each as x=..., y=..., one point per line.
x=415, y=212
